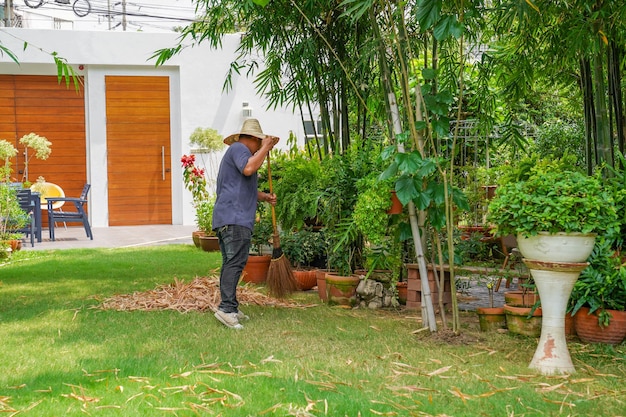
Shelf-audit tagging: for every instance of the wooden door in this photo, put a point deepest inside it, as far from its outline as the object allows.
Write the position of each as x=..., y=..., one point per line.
x=138, y=150
x=39, y=104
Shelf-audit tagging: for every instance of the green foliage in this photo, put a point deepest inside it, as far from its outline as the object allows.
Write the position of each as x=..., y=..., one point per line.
x=616, y=181
x=206, y=139
x=556, y=139
x=11, y=214
x=204, y=216
x=303, y=247
x=345, y=249
x=370, y=210
x=553, y=200
x=472, y=248
x=7, y=151
x=417, y=181
x=296, y=183
x=602, y=285
x=263, y=230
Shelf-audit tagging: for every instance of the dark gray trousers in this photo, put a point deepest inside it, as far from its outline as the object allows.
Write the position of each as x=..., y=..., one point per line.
x=235, y=246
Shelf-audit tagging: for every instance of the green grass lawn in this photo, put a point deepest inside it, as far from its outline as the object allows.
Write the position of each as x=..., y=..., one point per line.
x=60, y=355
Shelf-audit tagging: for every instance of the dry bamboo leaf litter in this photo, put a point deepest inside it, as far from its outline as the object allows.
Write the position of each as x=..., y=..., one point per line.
x=201, y=294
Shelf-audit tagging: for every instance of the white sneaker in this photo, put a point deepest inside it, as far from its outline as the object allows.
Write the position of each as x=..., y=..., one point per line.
x=229, y=320
x=242, y=316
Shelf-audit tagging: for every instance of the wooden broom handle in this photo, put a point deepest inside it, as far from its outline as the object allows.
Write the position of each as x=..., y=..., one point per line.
x=269, y=179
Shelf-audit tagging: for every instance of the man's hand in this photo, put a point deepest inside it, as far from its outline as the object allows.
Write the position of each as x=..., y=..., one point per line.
x=270, y=198
x=267, y=197
x=269, y=142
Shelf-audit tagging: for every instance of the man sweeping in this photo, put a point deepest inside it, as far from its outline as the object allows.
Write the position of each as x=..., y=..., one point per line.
x=235, y=210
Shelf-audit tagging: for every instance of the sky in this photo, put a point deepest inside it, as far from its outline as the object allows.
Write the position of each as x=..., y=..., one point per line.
x=141, y=15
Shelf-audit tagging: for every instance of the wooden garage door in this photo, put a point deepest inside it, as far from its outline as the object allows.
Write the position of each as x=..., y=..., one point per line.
x=138, y=150
x=39, y=104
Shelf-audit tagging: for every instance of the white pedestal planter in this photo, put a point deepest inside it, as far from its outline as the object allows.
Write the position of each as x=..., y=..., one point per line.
x=554, y=281
x=558, y=247
x=555, y=262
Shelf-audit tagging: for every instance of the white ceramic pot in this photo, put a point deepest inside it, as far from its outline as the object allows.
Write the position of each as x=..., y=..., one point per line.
x=557, y=247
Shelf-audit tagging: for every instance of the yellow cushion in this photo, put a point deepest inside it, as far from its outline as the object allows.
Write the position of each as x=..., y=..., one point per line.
x=48, y=189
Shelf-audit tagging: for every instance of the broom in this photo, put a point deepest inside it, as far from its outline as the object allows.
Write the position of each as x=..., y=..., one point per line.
x=280, y=279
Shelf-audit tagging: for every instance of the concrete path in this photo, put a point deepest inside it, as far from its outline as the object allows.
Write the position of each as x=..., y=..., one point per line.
x=114, y=237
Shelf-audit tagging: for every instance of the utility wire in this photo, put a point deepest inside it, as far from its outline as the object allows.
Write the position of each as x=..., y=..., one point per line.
x=99, y=10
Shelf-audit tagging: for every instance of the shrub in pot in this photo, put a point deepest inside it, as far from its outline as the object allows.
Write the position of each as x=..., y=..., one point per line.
x=204, y=220
x=552, y=201
x=204, y=216
x=302, y=248
x=12, y=217
x=297, y=177
x=259, y=259
x=600, y=291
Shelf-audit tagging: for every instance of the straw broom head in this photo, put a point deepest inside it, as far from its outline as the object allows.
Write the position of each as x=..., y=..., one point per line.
x=280, y=279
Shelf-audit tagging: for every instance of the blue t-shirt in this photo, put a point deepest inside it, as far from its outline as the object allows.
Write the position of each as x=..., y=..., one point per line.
x=236, y=193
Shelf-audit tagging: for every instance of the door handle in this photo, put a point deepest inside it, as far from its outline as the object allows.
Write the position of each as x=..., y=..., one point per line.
x=163, y=162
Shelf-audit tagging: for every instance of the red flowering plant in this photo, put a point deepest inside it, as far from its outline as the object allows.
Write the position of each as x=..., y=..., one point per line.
x=194, y=179
x=196, y=182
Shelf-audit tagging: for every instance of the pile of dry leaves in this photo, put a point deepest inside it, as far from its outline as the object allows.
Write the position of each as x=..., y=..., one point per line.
x=203, y=293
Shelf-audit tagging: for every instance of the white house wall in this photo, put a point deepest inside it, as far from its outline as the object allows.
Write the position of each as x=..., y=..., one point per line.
x=196, y=97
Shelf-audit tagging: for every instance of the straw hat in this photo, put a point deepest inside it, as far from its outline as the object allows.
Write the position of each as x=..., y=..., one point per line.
x=250, y=127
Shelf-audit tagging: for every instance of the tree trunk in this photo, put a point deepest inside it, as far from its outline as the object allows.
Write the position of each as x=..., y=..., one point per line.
x=589, y=111
x=603, y=132
x=615, y=83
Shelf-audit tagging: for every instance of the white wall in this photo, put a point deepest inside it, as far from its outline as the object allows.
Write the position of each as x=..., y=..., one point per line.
x=197, y=100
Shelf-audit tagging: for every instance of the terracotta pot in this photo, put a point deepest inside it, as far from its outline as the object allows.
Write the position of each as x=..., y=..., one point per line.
x=320, y=276
x=396, y=205
x=518, y=322
x=209, y=243
x=589, y=330
x=570, y=329
x=256, y=269
x=403, y=289
x=491, y=319
x=306, y=279
x=14, y=244
x=468, y=231
x=342, y=289
x=490, y=191
x=195, y=236
x=521, y=298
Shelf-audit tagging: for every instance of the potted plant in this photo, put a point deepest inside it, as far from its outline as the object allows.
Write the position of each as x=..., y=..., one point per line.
x=12, y=216
x=298, y=177
x=260, y=256
x=491, y=318
x=598, y=300
x=40, y=148
x=195, y=182
x=343, y=258
x=553, y=202
x=556, y=214
x=303, y=247
x=204, y=219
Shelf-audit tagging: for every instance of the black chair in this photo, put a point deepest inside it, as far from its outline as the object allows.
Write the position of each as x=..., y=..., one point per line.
x=66, y=216
x=25, y=201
